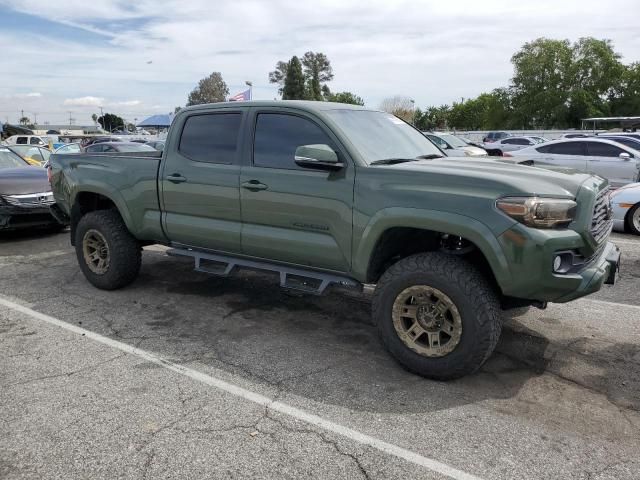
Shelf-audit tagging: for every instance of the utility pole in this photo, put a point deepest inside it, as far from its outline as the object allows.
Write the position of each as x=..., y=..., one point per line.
x=35, y=119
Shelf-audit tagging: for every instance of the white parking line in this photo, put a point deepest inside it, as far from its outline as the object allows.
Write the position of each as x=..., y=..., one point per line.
x=625, y=242
x=291, y=411
x=606, y=303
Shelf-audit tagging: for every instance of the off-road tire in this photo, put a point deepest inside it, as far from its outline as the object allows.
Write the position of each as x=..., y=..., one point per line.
x=472, y=295
x=628, y=220
x=124, y=250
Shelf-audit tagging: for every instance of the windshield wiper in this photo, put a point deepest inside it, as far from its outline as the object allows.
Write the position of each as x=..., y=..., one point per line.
x=393, y=161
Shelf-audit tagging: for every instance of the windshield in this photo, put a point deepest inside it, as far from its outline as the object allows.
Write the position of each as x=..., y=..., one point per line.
x=35, y=153
x=8, y=159
x=452, y=140
x=71, y=148
x=380, y=135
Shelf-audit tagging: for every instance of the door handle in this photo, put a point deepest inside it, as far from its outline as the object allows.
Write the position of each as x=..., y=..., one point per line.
x=253, y=185
x=176, y=178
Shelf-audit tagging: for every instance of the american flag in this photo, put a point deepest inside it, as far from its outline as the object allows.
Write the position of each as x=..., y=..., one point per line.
x=241, y=97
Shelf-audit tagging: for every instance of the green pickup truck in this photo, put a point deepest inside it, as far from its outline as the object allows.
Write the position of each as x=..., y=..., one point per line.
x=332, y=194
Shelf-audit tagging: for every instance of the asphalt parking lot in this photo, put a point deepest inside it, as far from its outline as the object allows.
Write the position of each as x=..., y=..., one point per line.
x=182, y=375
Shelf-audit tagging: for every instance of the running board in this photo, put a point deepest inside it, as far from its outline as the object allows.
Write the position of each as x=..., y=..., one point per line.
x=291, y=278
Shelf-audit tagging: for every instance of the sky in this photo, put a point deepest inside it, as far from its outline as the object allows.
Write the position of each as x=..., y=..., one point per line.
x=66, y=58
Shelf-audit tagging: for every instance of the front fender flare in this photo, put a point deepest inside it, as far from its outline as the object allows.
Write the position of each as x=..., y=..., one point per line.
x=434, y=220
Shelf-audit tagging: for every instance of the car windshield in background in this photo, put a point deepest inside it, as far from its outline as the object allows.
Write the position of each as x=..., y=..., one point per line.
x=8, y=159
x=380, y=135
x=136, y=147
x=35, y=153
x=452, y=140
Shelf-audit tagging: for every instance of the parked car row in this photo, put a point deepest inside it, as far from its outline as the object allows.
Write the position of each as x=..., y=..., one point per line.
x=607, y=158
x=25, y=194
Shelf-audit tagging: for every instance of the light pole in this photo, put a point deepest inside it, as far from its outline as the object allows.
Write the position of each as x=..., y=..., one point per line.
x=413, y=111
x=250, y=85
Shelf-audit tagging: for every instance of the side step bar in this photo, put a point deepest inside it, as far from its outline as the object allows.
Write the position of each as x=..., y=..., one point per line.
x=291, y=278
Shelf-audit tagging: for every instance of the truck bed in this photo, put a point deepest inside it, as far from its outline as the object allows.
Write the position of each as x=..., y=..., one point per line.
x=129, y=179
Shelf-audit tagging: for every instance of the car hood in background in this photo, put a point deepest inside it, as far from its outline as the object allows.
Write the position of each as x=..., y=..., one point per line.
x=18, y=181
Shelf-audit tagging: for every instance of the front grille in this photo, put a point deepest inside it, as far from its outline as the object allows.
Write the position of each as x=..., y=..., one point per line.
x=43, y=199
x=602, y=223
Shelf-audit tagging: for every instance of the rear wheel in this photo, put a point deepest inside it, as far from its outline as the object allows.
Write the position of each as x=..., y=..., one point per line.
x=632, y=219
x=437, y=315
x=108, y=255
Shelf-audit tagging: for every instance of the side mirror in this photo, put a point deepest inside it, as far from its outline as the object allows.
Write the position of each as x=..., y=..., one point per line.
x=318, y=156
x=625, y=156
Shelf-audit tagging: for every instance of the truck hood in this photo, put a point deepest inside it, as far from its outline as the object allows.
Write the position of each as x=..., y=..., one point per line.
x=17, y=181
x=509, y=178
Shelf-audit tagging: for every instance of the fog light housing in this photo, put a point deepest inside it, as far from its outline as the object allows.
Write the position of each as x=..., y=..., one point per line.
x=557, y=263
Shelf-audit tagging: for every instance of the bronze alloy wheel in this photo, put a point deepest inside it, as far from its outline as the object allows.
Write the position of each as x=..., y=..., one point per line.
x=96, y=252
x=427, y=321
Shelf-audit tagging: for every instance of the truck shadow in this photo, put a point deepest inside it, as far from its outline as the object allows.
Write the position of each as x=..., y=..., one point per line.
x=326, y=348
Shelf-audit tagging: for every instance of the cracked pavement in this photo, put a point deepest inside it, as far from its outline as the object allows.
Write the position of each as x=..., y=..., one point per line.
x=560, y=398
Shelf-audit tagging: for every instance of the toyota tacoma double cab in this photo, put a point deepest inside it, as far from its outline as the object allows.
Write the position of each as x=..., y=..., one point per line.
x=327, y=194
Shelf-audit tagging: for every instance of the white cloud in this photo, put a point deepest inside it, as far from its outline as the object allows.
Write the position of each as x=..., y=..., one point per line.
x=432, y=51
x=126, y=103
x=83, y=102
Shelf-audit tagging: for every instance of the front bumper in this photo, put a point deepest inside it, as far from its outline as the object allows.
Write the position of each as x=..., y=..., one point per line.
x=16, y=217
x=530, y=254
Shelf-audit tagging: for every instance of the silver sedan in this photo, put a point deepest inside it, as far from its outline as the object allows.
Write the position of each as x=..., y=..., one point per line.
x=626, y=208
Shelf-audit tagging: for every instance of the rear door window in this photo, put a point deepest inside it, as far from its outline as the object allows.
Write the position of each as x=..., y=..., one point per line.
x=597, y=149
x=22, y=141
x=568, y=148
x=211, y=137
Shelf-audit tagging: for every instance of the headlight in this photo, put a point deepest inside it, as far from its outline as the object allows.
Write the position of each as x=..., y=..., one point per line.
x=539, y=212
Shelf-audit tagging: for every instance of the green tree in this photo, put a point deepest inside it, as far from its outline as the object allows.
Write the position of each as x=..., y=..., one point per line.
x=177, y=109
x=626, y=100
x=279, y=74
x=24, y=121
x=110, y=122
x=345, y=97
x=541, y=82
x=94, y=117
x=211, y=89
x=317, y=71
x=294, y=84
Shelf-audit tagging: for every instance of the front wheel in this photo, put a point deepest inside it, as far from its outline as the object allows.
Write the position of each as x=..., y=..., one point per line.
x=108, y=255
x=437, y=315
x=632, y=219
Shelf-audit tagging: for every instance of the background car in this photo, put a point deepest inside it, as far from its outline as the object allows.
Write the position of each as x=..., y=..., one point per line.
x=493, y=136
x=576, y=135
x=611, y=160
x=628, y=141
x=27, y=140
x=626, y=208
x=510, y=144
x=619, y=134
x=157, y=144
x=100, y=139
x=32, y=154
x=69, y=148
x=111, y=147
x=453, y=146
x=25, y=194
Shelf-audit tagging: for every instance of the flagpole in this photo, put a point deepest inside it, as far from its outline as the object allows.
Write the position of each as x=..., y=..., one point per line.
x=250, y=85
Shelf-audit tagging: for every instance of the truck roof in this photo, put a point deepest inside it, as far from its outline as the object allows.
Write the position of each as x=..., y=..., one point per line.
x=308, y=105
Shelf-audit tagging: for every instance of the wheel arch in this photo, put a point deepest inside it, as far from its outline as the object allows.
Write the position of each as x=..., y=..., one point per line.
x=422, y=231
x=92, y=199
